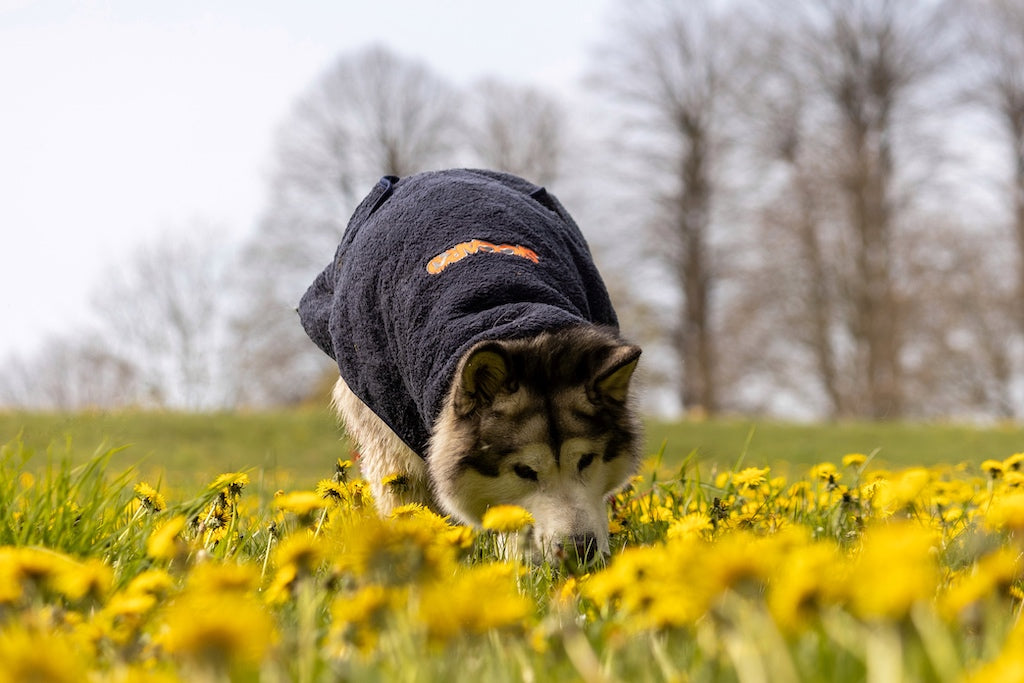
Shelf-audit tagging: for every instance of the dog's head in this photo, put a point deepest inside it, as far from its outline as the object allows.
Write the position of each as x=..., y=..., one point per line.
x=544, y=423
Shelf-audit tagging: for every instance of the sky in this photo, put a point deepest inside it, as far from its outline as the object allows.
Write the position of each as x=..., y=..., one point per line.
x=125, y=119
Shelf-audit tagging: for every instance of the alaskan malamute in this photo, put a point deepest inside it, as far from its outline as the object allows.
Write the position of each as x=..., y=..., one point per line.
x=479, y=355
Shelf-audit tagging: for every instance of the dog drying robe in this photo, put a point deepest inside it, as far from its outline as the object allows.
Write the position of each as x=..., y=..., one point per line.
x=433, y=263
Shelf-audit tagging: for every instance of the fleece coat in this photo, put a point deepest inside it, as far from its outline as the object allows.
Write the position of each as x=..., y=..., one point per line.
x=433, y=263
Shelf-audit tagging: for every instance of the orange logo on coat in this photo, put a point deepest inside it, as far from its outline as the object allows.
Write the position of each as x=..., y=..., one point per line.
x=464, y=249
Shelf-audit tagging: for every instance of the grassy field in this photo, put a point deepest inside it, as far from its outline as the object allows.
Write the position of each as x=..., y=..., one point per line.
x=298, y=448
x=757, y=552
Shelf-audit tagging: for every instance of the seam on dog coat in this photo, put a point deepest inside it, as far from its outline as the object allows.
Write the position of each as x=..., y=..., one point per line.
x=434, y=263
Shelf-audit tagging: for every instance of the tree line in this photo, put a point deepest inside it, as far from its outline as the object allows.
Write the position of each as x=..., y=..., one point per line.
x=810, y=207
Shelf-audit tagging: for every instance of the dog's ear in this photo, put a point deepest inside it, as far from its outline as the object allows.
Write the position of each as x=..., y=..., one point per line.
x=611, y=381
x=485, y=373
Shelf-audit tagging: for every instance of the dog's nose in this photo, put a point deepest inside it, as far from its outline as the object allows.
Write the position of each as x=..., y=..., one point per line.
x=580, y=547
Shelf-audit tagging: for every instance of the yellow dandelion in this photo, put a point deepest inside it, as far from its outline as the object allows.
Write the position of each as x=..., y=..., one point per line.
x=341, y=469
x=854, y=459
x=1014, y=463
x=40, y=655
x=165, y=542
x=217, y=630
x=452, y=608
x=359, y=617
x=807, y=581
x=1014, y=479
x=11, y=589
x=691, y=526
x=896, y=568
x=331, y=490
x=407, y=510
x=301, y=503
x=231, y=483
x=90, y=579
x=1006, y=512
x=149, y=497
x=993, y=468
x=422, y=515
x=459, y=537
x=155, y=582
x=751, y=477
x=216, y=577
x=389, y=551
x=301, y=551
x=902, y=492
x=826, y=471
x=280, y=589
x=397, y=482
x=129, y=606
x=506, y=518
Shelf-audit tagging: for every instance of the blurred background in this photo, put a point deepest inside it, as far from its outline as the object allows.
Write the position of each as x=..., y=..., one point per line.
x=808, y=209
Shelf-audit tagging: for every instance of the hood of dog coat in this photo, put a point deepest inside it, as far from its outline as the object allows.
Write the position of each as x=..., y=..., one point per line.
x=433, y=263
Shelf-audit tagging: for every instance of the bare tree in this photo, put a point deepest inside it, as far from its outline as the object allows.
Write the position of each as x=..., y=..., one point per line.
x=667, y=67
x=960, y=360
x=842, y=104
x=996, y=40
x=370, y=114
x=516, y=129
x=72, y=372
x=164, y=314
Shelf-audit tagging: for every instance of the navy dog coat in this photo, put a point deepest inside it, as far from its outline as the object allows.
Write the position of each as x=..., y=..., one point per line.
x=433, y=263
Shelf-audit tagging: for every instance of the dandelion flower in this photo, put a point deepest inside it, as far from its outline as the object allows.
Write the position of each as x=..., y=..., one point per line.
x=149, y=497
x=331, y=490
x=215, y=577
x=164, y=543
x=1014, y=479
x=341, y=468
x=1006, y=513
x=390, y=551
x=90, y=579
x=301, y=503
x=1014, y=463
x=750, y=478
x=396, y=482
x=231, y=482
x=693, y=525
x=454, y=607
x=826, y=471
x=218, y=630
x=359, y=617
x=300, y=551
x=896, y=568
x=31, y=655
x=154, y=582
x=994, y=468
x=854, y=459
x=506, y=518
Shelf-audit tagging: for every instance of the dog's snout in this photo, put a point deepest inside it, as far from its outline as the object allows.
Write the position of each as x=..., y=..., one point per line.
x=581, y=548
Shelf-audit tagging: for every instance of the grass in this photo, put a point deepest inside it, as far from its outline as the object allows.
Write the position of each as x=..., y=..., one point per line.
x=298, y=448
x=721, y=570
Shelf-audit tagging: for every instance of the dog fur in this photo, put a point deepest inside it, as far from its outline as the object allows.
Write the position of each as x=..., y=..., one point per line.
x=543, y=422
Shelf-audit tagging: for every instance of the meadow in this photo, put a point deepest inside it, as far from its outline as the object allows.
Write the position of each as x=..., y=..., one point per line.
x=244, y=547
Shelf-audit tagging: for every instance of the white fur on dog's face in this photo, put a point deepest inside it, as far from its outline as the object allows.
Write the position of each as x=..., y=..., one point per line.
x=566, y=502
x=556, y=442
x=567, y=497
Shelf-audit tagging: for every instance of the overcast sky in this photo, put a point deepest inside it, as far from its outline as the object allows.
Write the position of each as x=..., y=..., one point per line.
x=123, y=119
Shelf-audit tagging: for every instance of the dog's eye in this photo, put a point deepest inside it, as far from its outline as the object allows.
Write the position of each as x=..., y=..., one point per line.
x=524, y=472
x=585, y=461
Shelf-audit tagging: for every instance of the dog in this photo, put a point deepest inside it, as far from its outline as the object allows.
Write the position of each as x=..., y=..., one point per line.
x=479, y=355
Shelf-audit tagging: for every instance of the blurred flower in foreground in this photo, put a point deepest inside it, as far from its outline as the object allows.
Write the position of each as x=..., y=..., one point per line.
x=218, y=630
x=506, y=518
